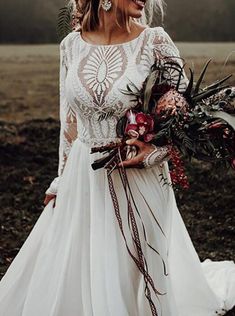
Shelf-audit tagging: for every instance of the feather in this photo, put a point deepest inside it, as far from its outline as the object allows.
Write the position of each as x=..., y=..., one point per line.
x=64, y=24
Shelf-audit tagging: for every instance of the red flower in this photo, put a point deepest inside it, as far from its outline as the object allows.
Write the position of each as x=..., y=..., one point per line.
x=178, y=176
x=141, y=118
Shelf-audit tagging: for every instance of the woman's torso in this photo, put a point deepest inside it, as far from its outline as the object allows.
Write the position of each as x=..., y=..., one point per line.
x=97, y=78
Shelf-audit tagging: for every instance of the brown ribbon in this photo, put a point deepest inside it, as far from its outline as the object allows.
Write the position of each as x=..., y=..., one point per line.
x=140, y=259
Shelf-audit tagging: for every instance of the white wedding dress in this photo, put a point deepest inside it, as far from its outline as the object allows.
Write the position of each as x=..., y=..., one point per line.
x=75, y=261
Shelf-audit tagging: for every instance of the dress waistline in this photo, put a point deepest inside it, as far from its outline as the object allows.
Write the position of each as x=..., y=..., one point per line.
x=98, y=142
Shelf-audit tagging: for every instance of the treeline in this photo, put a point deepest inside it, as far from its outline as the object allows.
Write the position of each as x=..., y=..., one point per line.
x=201, y=20
x=28, y=21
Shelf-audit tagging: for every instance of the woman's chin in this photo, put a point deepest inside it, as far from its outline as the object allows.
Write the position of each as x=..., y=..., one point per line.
x=136, y=9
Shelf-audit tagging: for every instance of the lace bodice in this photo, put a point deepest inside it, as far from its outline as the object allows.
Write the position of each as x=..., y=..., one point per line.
x=92, y=78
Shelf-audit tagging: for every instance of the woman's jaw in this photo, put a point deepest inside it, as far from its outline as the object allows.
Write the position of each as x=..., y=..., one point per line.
x=133, y=8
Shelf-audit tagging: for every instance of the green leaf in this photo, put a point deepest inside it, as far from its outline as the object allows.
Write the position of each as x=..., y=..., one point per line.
x=148, y=89
x=188, y=91
x=198, y=84
x=218, y=83
x=208, y=93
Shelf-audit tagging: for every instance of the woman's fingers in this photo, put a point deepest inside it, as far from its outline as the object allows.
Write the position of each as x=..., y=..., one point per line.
x=48, y=198
x=138, y=159
x=132, y=162
x=135, y=142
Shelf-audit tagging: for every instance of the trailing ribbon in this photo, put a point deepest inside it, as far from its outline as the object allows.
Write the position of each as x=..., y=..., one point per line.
x=139, y=259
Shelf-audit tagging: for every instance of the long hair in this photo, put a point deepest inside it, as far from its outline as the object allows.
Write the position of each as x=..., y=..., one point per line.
x=86, y=14
x=154, y=12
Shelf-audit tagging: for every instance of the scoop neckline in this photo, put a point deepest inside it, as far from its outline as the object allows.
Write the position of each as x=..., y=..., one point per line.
x=117, y=44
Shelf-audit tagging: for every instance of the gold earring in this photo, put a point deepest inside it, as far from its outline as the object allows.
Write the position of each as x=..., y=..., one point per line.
x=106, y=5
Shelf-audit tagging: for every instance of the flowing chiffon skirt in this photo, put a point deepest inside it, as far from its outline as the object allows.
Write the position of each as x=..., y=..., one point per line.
x=75, y=262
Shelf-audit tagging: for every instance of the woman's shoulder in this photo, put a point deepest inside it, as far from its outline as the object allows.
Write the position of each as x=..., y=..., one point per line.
x=68, y=39
x=162, y=41
x=160, y=34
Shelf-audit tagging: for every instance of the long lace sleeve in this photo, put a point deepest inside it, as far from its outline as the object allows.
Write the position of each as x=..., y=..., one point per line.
x=68, y=120
x=165, y=49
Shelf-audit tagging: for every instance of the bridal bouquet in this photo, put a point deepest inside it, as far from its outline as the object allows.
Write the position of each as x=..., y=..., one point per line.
x=196, y=123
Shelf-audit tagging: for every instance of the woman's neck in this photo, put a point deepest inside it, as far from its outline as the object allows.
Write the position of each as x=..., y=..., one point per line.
x=112, y=30
x=109, y=32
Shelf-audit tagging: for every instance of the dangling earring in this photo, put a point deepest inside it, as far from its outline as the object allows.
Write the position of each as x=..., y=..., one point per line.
x=106, y=5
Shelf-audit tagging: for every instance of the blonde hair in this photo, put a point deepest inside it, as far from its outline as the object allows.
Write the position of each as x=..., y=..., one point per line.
x=86, y=14
x=154, y=12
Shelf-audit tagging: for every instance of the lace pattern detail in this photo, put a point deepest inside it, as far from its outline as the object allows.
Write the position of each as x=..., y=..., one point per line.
x=68, y=119
x=157, y=156
x=98, y=142
x=164, y=47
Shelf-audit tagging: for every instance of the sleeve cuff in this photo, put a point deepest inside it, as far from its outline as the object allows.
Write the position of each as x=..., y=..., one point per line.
x=53, y=188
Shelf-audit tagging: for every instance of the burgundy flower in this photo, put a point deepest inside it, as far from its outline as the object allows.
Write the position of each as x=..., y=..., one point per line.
x=160, y=89
x=132, y=130
x=139, y=124
x=178, y=176
x=146, y=120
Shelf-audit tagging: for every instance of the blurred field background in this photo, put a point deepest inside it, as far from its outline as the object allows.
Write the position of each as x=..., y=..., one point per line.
x=187, y=20
x=29, y=126
x=29, y=75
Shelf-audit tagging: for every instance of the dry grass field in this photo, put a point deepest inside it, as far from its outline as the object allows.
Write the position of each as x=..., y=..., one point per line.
x=29, y=76
x=29, y=131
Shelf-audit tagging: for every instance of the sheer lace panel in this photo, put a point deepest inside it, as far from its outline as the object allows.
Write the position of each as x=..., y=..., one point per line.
x=68, y=120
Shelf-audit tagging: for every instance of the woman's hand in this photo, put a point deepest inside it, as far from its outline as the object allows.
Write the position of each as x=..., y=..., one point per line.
x=143, y=149
x=48, y=198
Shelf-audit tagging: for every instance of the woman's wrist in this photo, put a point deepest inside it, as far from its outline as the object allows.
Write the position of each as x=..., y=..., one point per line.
x=156, y=156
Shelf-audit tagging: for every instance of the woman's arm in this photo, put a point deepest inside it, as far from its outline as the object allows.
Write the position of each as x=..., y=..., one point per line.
x=163, y=48
x=68, y=121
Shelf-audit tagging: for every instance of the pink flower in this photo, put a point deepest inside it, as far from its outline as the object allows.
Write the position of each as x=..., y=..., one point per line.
x=170, y=103
x=143, y=129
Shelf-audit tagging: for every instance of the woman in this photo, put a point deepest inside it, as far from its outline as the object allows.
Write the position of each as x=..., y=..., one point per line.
x=75, y=260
